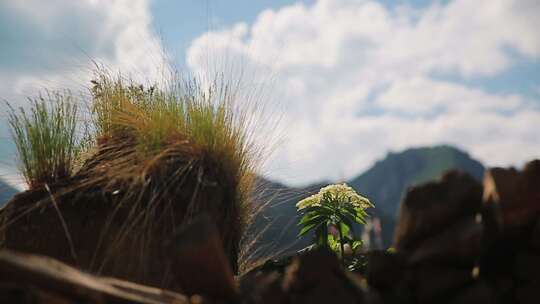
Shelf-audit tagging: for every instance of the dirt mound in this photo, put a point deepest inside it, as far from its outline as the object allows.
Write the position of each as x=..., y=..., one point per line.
x=113, y=216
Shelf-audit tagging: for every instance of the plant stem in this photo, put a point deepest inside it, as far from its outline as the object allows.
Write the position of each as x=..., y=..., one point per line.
x=342, y=247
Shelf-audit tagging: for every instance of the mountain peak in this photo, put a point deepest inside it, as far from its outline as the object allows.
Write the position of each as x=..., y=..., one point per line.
x=388, y=178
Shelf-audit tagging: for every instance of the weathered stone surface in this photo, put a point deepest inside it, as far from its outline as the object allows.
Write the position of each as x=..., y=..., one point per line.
x=311, y=277
x=97, y=236
x=373, y=297
x=515, y=195
x=99, y=232
x=535, y=236
x=436, y=283
x=317, y=277
x=262, y=288
x=199, y=263
x=114, y=214
x=385, y=270
x=527, y=267
x=475, y=294
x=427, y=209
x=460, y=242
x=26, y=278
x=528, y=293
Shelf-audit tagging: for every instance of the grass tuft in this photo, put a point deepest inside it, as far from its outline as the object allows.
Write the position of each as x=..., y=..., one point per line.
x=188, y=136
x=205, y=118
x=45, y=138
x=161, y=155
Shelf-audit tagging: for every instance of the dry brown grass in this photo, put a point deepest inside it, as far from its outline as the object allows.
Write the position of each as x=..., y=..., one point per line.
x=160, y=156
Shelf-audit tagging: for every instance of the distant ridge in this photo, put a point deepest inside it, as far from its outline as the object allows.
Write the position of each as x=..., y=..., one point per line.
x=388, y=178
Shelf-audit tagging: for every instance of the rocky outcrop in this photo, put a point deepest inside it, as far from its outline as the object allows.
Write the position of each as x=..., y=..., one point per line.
x=113, y=216
x=26, y=278
x=462, y=242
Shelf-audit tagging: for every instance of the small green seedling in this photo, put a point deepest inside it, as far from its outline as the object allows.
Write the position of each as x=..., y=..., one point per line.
x=334, y=209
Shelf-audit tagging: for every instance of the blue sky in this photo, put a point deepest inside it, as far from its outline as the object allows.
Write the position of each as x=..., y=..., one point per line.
x=179, y=22
x=348, y=80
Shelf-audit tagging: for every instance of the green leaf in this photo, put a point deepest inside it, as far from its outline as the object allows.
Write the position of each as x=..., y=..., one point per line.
x=356, y=245
x=333, y=243
x=308, y=217
x=358, y=214
x=343, y=229
x=313, y=221
x=306, y=229
x=346, y=219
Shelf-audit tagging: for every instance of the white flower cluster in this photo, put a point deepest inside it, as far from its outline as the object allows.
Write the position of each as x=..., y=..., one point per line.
x=332, y=194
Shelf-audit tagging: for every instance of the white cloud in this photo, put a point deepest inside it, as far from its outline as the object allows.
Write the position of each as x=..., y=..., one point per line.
x=358, y=79
x=421, y=95
x=51, y=44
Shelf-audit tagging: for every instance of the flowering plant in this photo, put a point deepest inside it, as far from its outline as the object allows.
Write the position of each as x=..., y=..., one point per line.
x=335, y=207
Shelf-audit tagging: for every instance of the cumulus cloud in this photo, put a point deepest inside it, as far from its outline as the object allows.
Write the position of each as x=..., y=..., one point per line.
x=359, y=79
x=422, y=96
x=53, y=44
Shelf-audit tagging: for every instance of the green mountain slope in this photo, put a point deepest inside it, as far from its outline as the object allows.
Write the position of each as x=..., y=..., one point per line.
x=384, y=183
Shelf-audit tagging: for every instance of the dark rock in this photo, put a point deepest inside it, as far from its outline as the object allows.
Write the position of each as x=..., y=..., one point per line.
x=478, y=293
x=385, y=270
x=199, y=264
x=389, y=275
x=262, y=288
x=535, y=236
x=26, y=278
x=434, y=283
x=460, y=242
x=431, y=207
x=317, y=277
x=115, y=227
x=514, y=195
x=373, y=297
x=527, y=267
x=528, y=293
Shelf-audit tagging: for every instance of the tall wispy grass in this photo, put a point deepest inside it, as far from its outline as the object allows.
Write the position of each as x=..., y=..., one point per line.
x=45, y=137
x=165, y=152
x=205, y=117
x=186, y=128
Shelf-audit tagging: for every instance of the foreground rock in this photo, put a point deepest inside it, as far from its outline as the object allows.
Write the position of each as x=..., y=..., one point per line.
x=461, y=242
x=115, y=214
x=457, y=242
x=28, y=278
